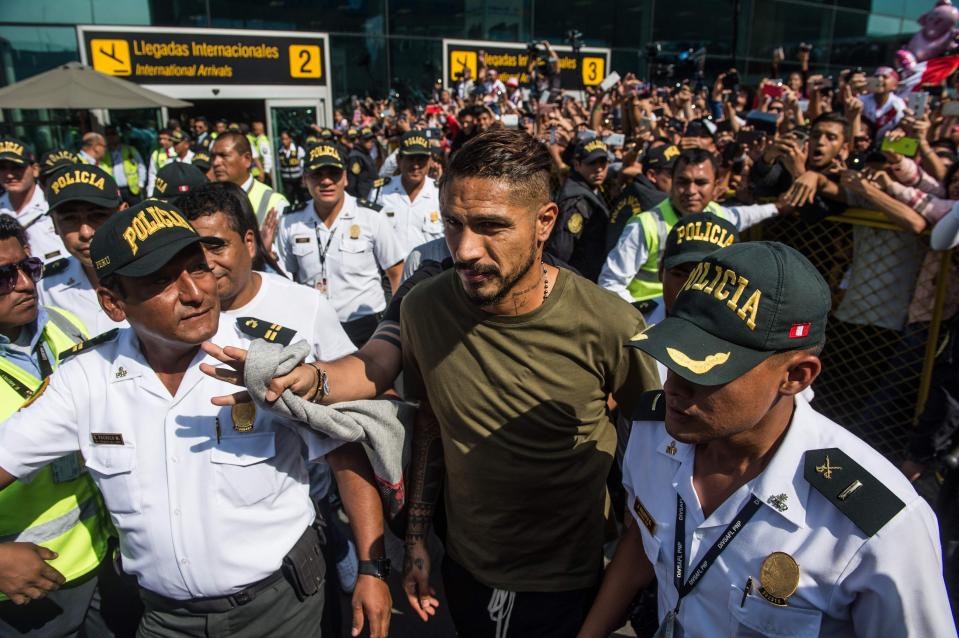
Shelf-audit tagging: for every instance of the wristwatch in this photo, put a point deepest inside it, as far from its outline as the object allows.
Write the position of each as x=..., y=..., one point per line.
x=379, y=568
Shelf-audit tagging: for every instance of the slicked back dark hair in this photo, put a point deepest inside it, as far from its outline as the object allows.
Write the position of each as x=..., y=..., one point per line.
x=510, y=156
x=694, y=156
x=233, y=202
x=10, y=227
x=237, y=140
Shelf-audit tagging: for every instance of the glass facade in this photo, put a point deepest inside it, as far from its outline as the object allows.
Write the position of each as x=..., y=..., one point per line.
x=378, y=45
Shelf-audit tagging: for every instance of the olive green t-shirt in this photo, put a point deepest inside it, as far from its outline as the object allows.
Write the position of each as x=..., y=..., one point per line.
x=527, y=437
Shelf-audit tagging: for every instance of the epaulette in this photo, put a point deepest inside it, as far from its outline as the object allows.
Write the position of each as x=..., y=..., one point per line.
x=259, y=329
x=297, y=208
x=381, y=182
x=83, y=346
x=365, y=203
x=55, y=267
x=646, y=306
x=651, y=406
x=856, y=493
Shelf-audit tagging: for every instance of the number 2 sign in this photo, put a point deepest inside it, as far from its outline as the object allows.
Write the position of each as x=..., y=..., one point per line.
x=305, y=61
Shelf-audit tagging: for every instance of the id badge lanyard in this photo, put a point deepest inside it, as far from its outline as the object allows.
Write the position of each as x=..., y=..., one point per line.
x=323, y=249
x=685, y=586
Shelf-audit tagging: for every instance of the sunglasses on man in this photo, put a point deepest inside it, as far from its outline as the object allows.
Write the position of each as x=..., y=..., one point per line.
x=32, y=267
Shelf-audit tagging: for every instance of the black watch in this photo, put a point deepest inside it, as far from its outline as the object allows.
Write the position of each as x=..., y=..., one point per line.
x=379, y=568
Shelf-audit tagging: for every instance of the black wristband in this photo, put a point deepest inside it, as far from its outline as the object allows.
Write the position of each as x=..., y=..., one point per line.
x=379, y=568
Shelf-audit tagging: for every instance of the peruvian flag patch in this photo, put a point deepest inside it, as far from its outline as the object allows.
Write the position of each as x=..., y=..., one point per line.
x=799, y=330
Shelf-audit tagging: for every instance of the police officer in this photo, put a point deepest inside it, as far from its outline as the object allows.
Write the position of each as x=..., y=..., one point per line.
x=265, y=150
x=53, y=530
x=362, y=168
x=159, y=157
x=579, y=236
x=203, y=162
x=644, y=191
x=181, y=146
x=218, y=527
x=176, y=180
x=125, y=164
x=82, y=198
x=412, y=202
x=754, y=512
x=338, y=245
x=290, y=159
x=24, y=201
x=52, y=161
x=632, y=267
x=233, y=162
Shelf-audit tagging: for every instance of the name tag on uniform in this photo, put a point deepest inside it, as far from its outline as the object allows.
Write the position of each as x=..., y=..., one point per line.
x=301, y=240
x=644, y=516
x=104, y=438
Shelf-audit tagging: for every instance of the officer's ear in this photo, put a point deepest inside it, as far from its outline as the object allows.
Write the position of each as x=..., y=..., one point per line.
x=111, y=300
x=800, y=369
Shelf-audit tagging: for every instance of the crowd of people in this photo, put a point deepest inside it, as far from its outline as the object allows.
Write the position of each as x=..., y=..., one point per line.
x=536, y=326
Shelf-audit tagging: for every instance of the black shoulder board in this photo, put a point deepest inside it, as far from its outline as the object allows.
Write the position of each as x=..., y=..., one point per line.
x=646, y=306
x=859, y=495
x=365, y=203
x=651, y=406
x=381, y=182
x=259, y=329
x=83, y=346
x=55, y=267
x=298, y=207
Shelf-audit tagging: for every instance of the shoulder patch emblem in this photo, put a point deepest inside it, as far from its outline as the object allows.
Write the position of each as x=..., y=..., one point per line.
x=381, y=182
x=259, y=329
x=55, y=267
x=859, y=495
x=365, y=203
x=83, y=346
x=356, y=168
x=575, y=223
x=651, y=406
x=299, y=207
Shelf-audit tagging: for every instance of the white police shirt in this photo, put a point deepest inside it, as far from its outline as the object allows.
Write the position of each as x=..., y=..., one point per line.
x=197, y=516
x=415, y=222
x=301, y=309
x=357, y=244
x=43, y=238
x=851, y=584
x=71, y=290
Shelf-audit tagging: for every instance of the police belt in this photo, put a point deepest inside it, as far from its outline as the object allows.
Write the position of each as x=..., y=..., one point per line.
x=219, y=604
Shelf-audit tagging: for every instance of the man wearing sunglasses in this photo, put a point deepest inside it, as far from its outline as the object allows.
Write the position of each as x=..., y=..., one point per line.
x=338, y=245
x=82, y=198
x=53, y=530
x=24, y=201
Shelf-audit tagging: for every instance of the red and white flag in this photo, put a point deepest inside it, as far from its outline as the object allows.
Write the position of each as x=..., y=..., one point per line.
x=932, y=71
x=799, y=330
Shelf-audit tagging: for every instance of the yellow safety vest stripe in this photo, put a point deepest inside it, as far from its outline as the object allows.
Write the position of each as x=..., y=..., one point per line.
x=129, y=168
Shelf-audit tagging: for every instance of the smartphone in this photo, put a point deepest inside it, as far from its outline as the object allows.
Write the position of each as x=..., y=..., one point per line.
x=510, y=120
x=615, y=139
x=552, y=135
x=659, y=113
x=872, y=84
x=762, y=121
x=731, y=80
x=917, y=103
x=907, y=146
x=609, y=82
x=825, y=83
x=803, y=105
x=748, y=137
x=774, y=91
x=950, y=109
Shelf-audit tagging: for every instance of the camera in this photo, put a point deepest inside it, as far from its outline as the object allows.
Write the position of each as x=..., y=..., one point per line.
x=574, y=39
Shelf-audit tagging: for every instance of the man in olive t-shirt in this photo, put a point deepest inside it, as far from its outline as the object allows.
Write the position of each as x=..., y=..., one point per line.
x=513, y=362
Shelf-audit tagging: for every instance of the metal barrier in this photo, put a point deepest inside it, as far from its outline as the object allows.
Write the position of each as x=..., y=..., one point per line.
x=890, y=295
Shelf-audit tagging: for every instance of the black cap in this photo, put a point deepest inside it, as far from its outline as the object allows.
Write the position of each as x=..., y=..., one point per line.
x=179, y=135
x=366, y=133
x=13, y=150
x=141, y=239
x=695, y=236
x=83, y=183
x=352, y=133
x=414, y=143
x=326, y=134
x=739, y=306
x=324, y=154
x=177, y=178
x=588, y=151
x=53, y=160
x=201, y=159
x=661, y=158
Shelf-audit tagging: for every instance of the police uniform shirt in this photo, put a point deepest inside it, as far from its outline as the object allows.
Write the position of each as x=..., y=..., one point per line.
x=632, y=251
x=22, y=351
x=286, y=154
x=415, y=222
x=850, y=583
x=358, y=244
x=199, y=515
x=43, y=238
x=435, y=250
x=301, y=309
x=71, y=290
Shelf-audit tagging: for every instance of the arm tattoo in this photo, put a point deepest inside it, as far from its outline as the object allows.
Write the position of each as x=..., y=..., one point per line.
x=427, y=471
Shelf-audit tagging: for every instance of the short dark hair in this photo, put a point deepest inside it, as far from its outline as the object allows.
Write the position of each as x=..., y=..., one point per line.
x=696, y=156
x=233, y=202
x=511, y=156
x=10, y=227
x=833, y=117
x=238, y=140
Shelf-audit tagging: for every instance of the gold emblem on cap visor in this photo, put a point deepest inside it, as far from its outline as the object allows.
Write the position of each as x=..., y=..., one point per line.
x=243, y=416
x=778, y=578
x=696, y=366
